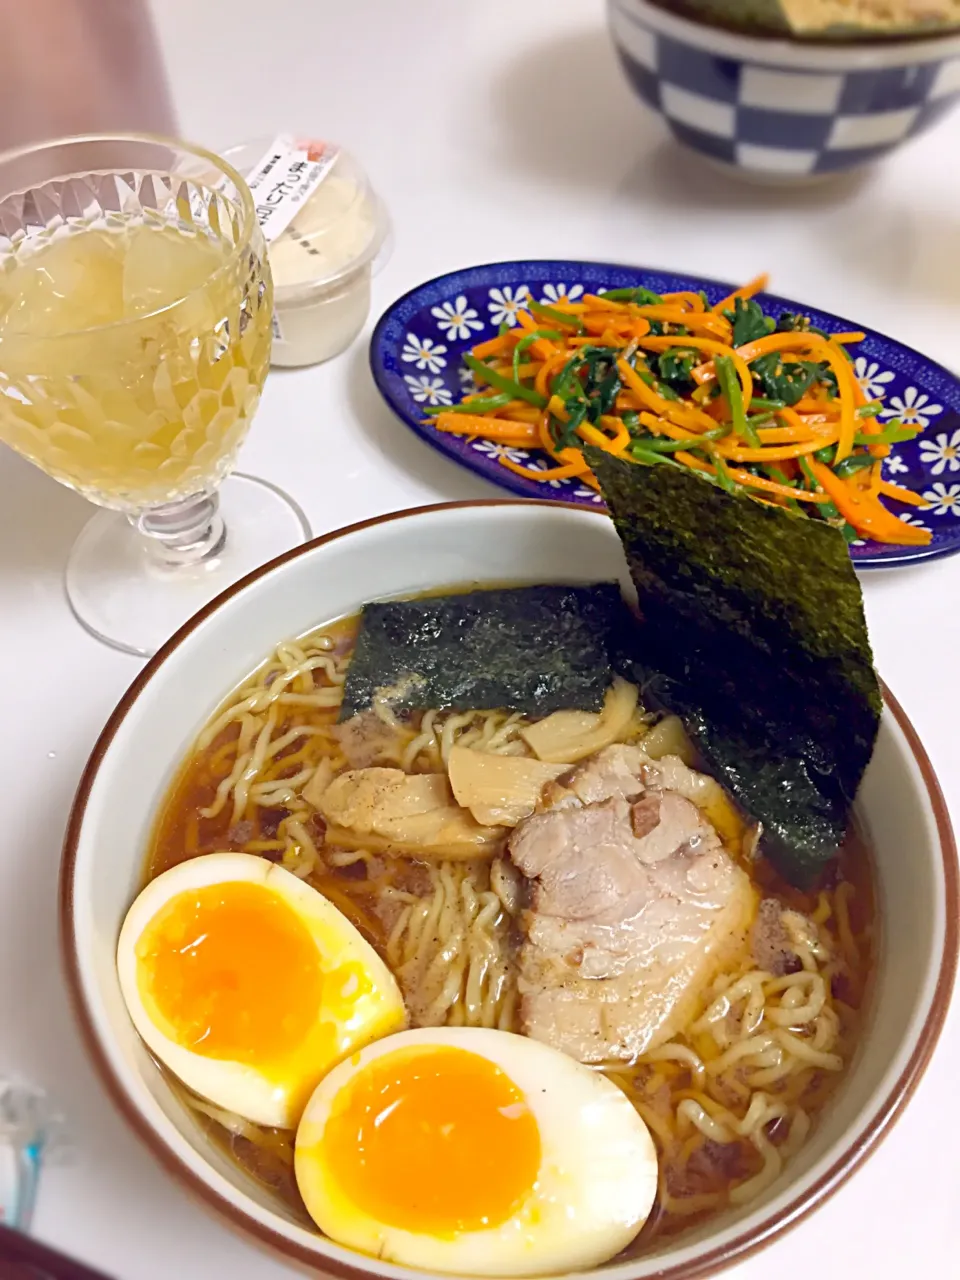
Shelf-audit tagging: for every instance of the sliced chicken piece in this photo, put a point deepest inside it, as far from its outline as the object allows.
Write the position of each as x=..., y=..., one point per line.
x=634, y=907
x=770, y=941
x=388, y=810
x=499, y=790
x=365, y=739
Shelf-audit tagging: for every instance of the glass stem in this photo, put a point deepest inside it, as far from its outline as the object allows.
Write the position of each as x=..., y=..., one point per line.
x=182, y=533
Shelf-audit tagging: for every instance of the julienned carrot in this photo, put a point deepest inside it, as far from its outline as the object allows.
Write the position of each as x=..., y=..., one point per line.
x=757, y=285
x=505, y=369
x=808, y=405
x=693, y=300
x=546, y=441
x=558, y=409
x=661, y=427
x=505, y=430
x=606, y=332
x=540, y=346
x=553, y=365
x=683, y=415
x=606, y=339
x=866, y=513
x=848, y=405
x=906, y=496
x=774, y=453
x=813, y=344
x=697, y=464
x=601, y=379
x=621, y=435
x=708, y=322
x=492, y=347
x=790, y=434
x=563, y=472
x=750, y=481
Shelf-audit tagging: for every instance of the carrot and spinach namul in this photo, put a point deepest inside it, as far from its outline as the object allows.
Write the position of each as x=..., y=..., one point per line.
x=764, y=406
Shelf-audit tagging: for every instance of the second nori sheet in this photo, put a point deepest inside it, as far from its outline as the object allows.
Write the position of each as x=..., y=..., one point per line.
x=531, y=649
x=753, y=632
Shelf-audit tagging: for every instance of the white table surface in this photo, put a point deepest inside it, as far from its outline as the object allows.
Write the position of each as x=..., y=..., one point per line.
x=494, y=129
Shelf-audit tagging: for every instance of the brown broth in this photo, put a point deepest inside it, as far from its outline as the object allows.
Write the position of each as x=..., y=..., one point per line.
x=181, y=833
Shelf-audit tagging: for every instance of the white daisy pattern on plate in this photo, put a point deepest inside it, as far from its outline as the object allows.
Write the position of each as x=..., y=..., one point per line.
x=542, y=466
x=457, y=319
x=587, y=494
x=873, y=380
x=424, y=353
x=944, y=498
x=908, y=518
x=895, y=465
x=561, y=293
x=506, y=302
x=498, y=451
x=915, y=409
x=467, y=381
x=941, y=453
x=428, y=390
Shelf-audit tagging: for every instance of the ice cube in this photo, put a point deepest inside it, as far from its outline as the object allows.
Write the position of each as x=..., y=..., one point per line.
x=163, y=265
x=74, y=282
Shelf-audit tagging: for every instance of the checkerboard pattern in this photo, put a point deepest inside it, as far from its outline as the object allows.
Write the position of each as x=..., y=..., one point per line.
x=773, y=120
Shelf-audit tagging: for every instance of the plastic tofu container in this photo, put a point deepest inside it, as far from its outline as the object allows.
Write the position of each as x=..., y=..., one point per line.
x=326, y=230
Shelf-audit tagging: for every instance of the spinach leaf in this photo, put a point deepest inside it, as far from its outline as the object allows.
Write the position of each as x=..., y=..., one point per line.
x=795, y=322
x=674, y=368
x=789, y=382
x=749, y=322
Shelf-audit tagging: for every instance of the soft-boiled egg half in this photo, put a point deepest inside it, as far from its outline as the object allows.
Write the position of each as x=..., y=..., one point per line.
x=249, y=985
x=477, y=1152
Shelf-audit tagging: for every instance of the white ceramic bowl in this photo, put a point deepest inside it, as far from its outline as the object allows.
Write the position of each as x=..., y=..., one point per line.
x=783, y=110
x=496, y=542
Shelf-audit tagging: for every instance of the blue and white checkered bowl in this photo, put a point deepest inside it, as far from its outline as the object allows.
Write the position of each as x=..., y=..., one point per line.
x=780, y=109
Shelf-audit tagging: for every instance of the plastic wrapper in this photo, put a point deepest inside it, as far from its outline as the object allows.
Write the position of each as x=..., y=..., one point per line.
x=27, y=1125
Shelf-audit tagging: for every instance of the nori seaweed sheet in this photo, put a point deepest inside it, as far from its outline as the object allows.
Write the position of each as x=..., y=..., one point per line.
x=531, y=649
x=753, y=632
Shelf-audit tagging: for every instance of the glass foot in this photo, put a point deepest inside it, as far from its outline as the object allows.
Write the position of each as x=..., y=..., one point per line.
x=127, y=599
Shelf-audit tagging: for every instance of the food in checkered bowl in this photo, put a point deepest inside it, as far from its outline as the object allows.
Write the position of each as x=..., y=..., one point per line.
x=826, y=19
x=784, y=109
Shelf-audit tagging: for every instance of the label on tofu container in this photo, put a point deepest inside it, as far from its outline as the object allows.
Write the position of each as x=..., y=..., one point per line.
x=277, y=328
x=285, y=178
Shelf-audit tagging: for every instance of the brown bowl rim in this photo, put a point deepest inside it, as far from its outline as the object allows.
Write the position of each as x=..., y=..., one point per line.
x=710, y=1262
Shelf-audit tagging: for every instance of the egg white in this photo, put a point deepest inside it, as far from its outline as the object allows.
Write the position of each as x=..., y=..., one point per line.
x=242, y=1087
x=594, y=1191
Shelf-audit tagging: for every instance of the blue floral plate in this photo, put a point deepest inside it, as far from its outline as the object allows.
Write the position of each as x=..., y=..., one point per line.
x=416, y=351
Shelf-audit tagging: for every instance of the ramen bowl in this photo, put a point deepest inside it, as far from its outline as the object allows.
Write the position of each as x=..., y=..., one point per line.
x=495, y=542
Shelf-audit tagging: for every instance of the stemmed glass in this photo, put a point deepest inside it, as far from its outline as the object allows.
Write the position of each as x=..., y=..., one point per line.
x=135, y=331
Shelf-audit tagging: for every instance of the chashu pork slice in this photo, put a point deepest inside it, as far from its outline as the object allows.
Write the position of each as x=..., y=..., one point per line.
x=634, y=906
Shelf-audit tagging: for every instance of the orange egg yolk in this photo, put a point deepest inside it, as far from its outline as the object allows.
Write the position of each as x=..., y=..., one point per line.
x=434, y=1140
x=232, y=971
